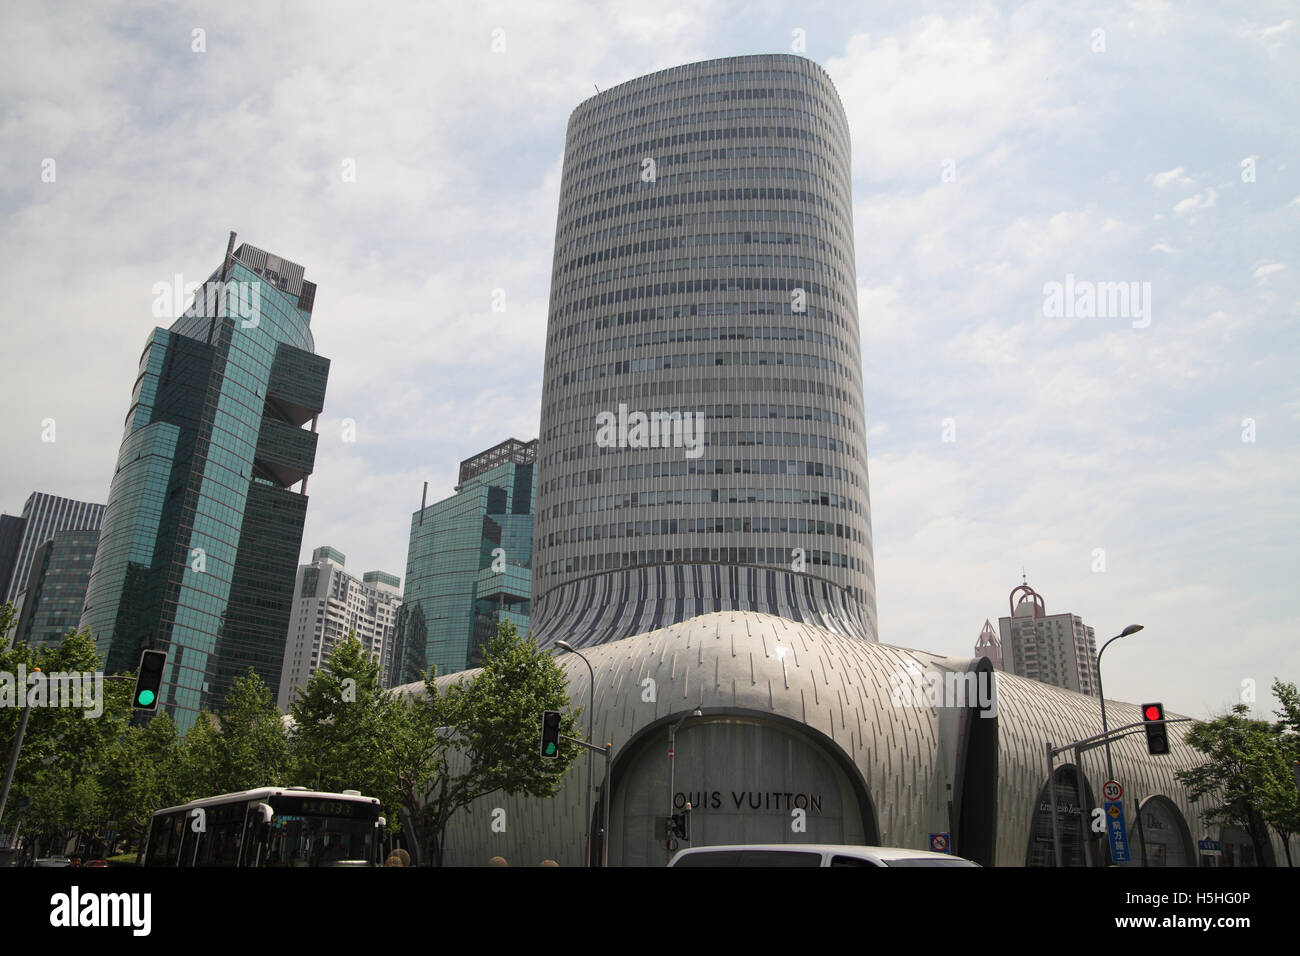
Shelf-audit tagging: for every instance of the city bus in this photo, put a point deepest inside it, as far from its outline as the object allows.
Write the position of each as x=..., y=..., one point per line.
x=272, y=826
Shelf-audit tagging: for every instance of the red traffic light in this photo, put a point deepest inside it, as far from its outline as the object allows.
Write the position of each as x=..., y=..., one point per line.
x=1152, y=712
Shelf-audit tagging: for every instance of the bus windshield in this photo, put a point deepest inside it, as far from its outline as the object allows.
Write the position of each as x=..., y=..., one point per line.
x=313, y=831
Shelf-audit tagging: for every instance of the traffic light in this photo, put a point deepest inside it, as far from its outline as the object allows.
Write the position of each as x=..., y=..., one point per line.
x=551, y=733
x=148, y=681
x=1157, y=736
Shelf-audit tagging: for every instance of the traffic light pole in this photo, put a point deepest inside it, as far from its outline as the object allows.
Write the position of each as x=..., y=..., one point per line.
x=1079, y=746
x=608, y=751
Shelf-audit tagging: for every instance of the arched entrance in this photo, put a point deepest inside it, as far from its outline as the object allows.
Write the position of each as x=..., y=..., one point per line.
x=750, y=778
x=1159, y=835
x=1072, y=823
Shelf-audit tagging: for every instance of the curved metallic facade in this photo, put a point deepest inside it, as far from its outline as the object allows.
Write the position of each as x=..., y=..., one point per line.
x=704, y=266
x=768, y=687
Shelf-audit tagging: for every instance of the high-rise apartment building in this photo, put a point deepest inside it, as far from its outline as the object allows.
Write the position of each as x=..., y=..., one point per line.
x=469, y=564
x=703, y=442
x=1053, y=648
x=55, y=591
x=42, y=516
x=200, y=539
x=328, y=604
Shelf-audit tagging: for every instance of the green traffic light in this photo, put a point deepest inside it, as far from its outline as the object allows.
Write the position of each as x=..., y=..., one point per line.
x=146, y=698
x=550, y=748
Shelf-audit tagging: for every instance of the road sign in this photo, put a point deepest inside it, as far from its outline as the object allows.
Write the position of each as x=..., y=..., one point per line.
x=940, y=843
x=1210, y=847
x=1111, y=790
x=1117, y=831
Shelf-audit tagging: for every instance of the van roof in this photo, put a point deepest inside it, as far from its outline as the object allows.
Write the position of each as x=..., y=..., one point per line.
x=879, y=852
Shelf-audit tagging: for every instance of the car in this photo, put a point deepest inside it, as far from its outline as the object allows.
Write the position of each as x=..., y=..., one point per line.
x=51, y=861
x=97, y=863
x=813, y=854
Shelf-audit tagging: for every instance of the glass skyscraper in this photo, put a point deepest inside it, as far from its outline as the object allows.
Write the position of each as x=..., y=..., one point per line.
x=42, y=516
x=704, y=266
x=200, y=540
x=55, y=590
x=469, y=564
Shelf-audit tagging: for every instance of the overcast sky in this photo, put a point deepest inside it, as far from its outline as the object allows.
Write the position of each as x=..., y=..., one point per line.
x=996, y=149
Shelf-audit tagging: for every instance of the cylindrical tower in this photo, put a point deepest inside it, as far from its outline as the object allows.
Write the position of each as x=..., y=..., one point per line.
x=702, y=443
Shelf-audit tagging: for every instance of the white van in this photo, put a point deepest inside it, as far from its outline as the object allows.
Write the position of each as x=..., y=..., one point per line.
x=813, y=854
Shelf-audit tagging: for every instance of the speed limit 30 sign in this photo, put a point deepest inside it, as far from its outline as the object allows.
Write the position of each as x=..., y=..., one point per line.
x=1111, y=790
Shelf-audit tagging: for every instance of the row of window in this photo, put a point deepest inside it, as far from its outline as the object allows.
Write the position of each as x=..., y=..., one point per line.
x=720, y=466
x=719, y=285
x=750, y=238
x=700, y=360
x=651, y=147
x=697, y=219
x=777, y=557
x=717, y=333
x=750, y=524
x=603, y=106
x=828, y=198
x=655, y=391
x=805, y=413
x=636, y=169
x=700, y=496
x=696, y=263
x=679, y=116
x=671, y=200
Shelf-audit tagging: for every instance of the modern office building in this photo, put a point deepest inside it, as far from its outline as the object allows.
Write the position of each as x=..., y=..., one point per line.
x=803, y=736
x=328, y=604
x=42, y=516
x=703, y=441
x=11, y=539
x=1053, y=648
x=468, y=565
x=200, y=539
x=56, y=587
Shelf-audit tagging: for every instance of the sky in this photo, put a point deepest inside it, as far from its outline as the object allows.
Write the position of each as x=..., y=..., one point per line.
x=1136, y=464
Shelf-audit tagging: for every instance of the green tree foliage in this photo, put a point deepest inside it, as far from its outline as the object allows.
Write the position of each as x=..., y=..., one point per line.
x=142, y=773
x=63, y=751
x=480, y=735
x=1243, y=766
x=244, y=748
x=344, y=724
x=1281, y=790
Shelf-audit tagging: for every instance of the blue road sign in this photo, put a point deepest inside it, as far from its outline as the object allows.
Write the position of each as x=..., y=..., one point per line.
x=941, y=842
x=1209, y=846
x=1117, y=830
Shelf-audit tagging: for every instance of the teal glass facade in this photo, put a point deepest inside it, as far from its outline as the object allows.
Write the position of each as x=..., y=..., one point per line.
x=469, y=565
x=200, y=539
x=56, y=587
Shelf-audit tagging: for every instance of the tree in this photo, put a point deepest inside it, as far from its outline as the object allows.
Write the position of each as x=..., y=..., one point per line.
x=245, y=748
x=63, y=746
x=142, y=774
x=480, y=735
x=344, y=725
x=1281, y=796
x=1243, y=760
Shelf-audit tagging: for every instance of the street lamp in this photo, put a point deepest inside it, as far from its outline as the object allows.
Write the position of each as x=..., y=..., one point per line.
x=1131, y=629
x=591, y=713
x=672, y=769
